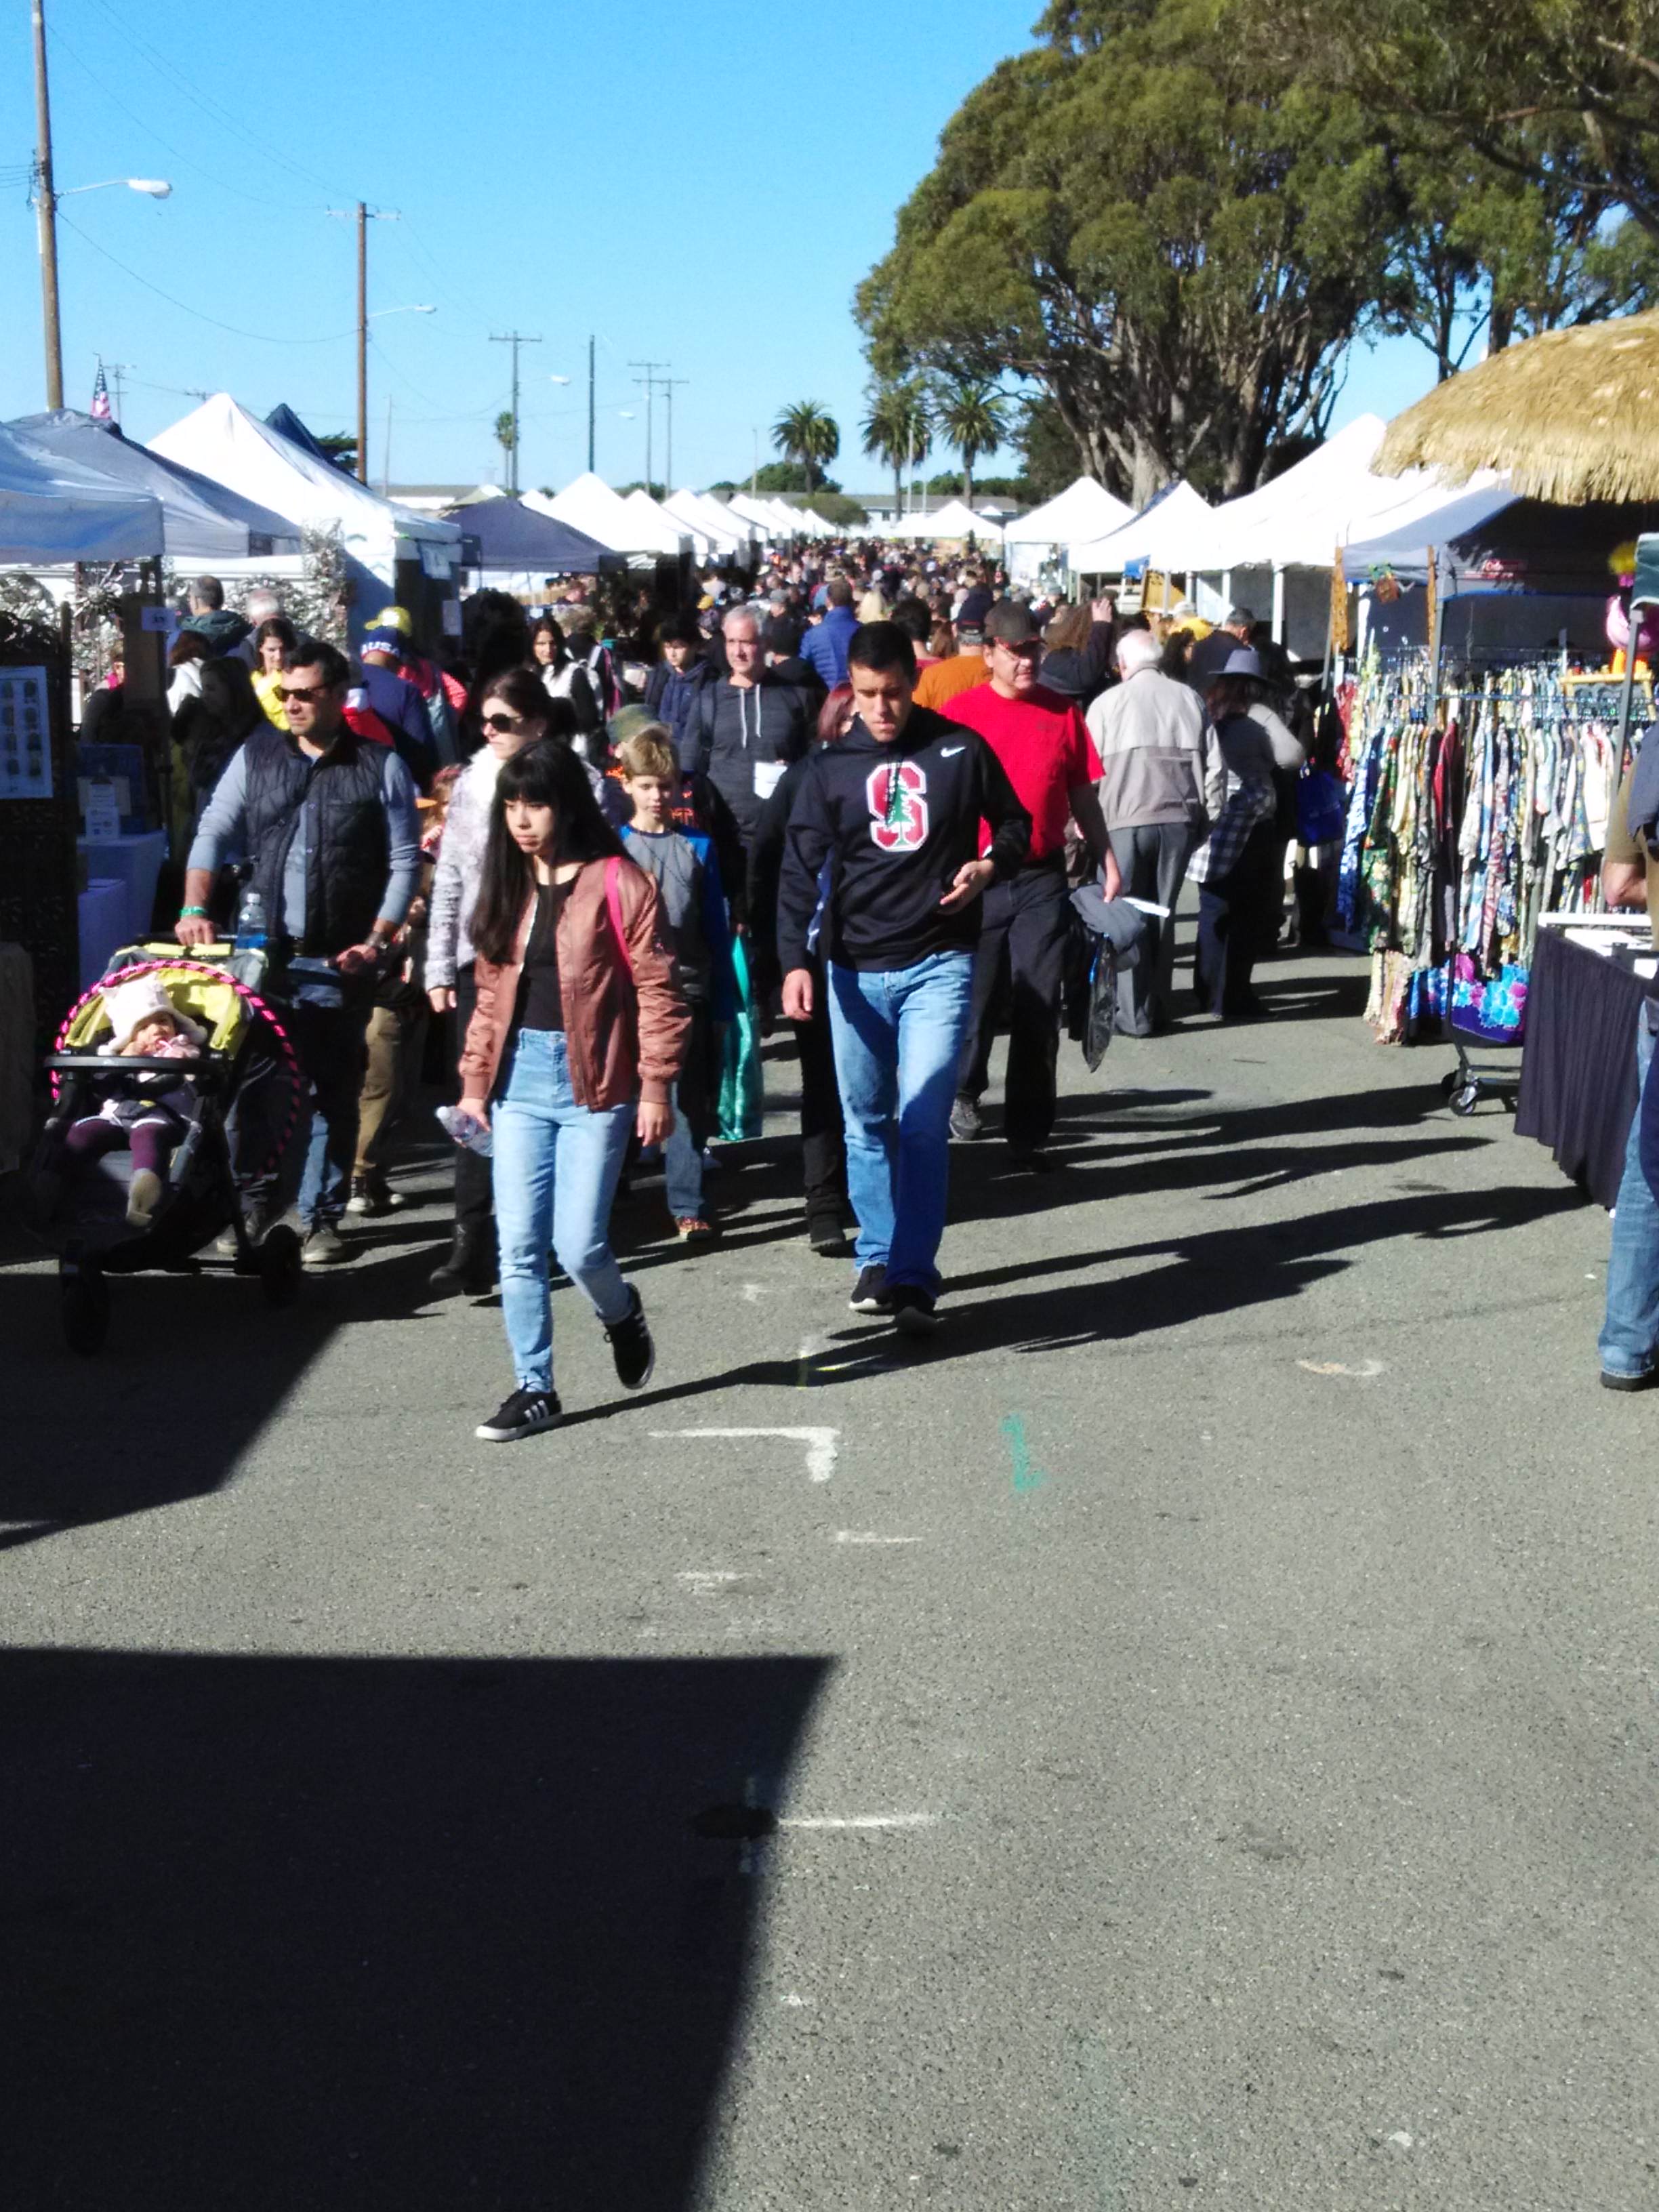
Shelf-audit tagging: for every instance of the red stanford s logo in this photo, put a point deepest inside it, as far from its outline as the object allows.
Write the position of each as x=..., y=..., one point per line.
x=897, y=798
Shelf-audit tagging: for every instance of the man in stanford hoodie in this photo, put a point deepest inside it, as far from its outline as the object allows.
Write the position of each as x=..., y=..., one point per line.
x=893, y=811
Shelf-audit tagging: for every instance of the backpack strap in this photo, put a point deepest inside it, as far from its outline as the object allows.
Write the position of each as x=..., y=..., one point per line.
x=613, y=904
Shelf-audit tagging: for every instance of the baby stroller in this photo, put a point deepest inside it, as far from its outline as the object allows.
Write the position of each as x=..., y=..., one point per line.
x=83, y=1215
x=1488, y=1019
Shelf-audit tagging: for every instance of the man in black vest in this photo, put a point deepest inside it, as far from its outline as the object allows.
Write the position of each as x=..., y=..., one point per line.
x=327, y=821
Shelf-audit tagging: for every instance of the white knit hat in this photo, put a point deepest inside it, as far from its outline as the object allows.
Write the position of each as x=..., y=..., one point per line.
x=128, y=1004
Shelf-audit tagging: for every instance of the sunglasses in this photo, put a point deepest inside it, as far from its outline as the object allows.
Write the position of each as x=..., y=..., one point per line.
x=1027, y=650
x=303, y=694
x=502, y=722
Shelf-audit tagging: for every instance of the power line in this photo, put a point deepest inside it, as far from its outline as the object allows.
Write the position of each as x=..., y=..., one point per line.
x=236, y=125
x=60, y=43
x=260, y=338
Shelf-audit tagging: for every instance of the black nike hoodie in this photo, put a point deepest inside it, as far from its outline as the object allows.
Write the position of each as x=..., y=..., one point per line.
x=894, y=822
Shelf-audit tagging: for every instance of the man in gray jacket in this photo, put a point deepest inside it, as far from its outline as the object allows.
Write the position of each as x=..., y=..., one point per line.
x=743, y=731
x=1162, y=784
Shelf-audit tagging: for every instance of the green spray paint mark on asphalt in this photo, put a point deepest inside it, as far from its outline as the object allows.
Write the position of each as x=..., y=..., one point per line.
x=1026, y=1476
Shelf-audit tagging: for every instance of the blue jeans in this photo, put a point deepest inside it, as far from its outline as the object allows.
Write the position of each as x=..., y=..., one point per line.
x=1631, y=1331
x=898, y=1036
x=555, y=1166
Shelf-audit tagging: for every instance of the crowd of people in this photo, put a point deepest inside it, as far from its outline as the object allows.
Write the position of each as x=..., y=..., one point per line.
x=585, y=869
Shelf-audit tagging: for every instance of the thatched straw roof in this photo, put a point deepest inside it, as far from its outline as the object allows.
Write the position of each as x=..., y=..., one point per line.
x=1573, y=415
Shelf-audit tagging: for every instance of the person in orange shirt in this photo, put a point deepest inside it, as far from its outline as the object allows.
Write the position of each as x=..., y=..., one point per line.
x=966, y=667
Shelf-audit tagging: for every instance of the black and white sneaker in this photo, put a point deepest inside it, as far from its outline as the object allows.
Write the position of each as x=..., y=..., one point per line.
x=630, y=1344
x=914, y=1313
x=869, y=1293
x=525, y=1413
x=967, y=1122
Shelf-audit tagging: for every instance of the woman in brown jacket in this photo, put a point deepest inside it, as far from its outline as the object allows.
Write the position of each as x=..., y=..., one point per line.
x=576, y=1038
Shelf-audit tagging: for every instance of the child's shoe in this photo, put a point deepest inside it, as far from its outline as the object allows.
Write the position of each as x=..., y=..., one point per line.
x=144, y=1196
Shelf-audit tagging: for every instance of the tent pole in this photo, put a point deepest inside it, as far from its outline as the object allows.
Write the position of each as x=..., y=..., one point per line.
x=1627, y=691
x=1279, y=605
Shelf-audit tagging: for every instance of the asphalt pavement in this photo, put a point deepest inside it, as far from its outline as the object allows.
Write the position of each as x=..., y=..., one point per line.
x=1184, y=1736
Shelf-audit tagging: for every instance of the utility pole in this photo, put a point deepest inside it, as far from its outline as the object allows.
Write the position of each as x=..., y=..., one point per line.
x=362, y=343
x=363, y=216
x=668, y=384
x=650, y=380
x=46, y=209
x=515, y=339
x=385, y=453
x=118, y=372
x=754, y=469
x=590, y=404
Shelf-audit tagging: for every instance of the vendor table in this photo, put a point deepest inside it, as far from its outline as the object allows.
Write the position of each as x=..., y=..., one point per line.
x=136, y=862
x=1578, y=1067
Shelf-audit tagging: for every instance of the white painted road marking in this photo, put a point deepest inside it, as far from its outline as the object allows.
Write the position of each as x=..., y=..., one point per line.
x=869, y=1536
x=820, y=1443
x=861, y=1820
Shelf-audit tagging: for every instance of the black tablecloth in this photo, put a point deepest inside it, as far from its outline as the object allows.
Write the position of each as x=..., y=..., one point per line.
x=1578, y=1067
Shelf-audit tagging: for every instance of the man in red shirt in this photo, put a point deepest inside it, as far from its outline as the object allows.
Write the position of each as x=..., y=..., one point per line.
x=1050, y=759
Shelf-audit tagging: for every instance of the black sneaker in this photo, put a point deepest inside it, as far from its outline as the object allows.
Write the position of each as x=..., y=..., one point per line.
x=256, y=1220
x=1645, y=1381
x=630, y=1344
x=525, y=1413
x=967, y=1122
x=827, y=1234
x=913, y=1310
x=1032, y=1159
x=323, y=1247
x=869, y=1293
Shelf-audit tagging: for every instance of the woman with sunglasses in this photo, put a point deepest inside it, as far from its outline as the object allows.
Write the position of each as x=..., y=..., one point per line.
x=515, y=712
x=577, y=1034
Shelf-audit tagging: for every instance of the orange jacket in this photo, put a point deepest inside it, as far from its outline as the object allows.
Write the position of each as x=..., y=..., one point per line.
x=626, y=1034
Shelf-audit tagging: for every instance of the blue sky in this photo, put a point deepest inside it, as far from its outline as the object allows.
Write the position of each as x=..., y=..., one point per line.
x=702, y=185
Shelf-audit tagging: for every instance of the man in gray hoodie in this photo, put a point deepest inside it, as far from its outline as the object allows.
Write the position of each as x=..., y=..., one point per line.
x=743, y=731
x=1162, y=784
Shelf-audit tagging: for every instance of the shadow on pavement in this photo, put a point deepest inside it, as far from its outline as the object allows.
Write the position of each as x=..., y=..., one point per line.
x=397, y=1933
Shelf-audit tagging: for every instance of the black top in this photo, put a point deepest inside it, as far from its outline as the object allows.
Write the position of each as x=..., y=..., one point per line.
x=540, y=1004
x=895, y=822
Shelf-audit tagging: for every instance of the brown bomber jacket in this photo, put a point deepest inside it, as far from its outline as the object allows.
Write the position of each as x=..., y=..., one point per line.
x=626, y=1036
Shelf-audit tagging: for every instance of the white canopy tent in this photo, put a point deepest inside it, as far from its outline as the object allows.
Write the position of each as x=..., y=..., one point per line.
x=52, y=512
x=1425, y=513
x=1176, y=531
x=587, y=503
x=815, y=524
x=756, y=512
x=1085, y=510
x=676, y=536
x=1299, y=519
x=953, y=521
x=222, y=440
x=717, y=531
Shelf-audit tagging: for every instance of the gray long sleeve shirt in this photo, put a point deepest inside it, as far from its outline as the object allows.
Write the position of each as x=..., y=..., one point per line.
x=221, y=833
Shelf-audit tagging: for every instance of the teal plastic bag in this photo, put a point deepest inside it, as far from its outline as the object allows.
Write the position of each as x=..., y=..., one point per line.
x=742, y=1091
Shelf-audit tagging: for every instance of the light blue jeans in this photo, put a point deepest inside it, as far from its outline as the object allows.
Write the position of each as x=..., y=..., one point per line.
x=898, y=1034
x=555, y=1168
x=1631, y=1331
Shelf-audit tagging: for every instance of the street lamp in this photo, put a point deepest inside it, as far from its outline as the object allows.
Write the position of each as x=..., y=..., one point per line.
x=558, y=379
x=378, y=311
x=155, y=188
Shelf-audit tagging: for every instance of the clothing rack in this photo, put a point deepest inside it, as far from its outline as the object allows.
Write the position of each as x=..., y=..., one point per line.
x=1474, y=807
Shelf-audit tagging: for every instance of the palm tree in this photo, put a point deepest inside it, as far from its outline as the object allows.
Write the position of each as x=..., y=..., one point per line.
x=973, y=418
x=899, y=428
x=808, y=434
x=506, y=437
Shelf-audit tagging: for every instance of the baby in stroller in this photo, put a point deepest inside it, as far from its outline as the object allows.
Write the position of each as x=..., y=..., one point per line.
x=147, y=1111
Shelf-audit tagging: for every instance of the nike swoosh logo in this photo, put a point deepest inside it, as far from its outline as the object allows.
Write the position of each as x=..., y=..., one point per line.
x=950, y=753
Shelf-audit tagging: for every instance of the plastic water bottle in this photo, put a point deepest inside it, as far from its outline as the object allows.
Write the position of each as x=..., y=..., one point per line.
x=465, y=1130
x=250, y=933
x=247, y=962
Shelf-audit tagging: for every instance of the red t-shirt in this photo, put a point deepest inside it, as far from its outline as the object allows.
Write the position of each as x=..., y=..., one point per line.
x=1044, y=744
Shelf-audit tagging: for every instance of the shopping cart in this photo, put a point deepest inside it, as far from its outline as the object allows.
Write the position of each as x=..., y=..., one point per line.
x=1487, y=1021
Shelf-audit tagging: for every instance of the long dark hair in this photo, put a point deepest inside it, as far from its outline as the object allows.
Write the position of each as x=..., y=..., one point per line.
x=545, y=623
x=547, y=774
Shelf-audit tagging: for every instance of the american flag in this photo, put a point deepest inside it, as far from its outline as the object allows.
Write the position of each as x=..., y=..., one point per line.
x=101, y=411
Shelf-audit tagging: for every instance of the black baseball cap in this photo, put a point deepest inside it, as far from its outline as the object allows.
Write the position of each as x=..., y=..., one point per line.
x=1011, y=622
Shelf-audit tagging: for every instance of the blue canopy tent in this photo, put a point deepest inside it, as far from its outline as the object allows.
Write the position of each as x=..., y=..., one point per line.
x=506, y=537
x=201, y=520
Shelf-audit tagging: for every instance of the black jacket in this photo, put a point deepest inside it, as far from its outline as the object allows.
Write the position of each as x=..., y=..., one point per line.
x=894, y=822
x=1081, y=676
x=352, y=855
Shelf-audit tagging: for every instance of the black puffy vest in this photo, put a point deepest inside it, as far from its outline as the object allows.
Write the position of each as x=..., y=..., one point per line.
x=349, y=854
